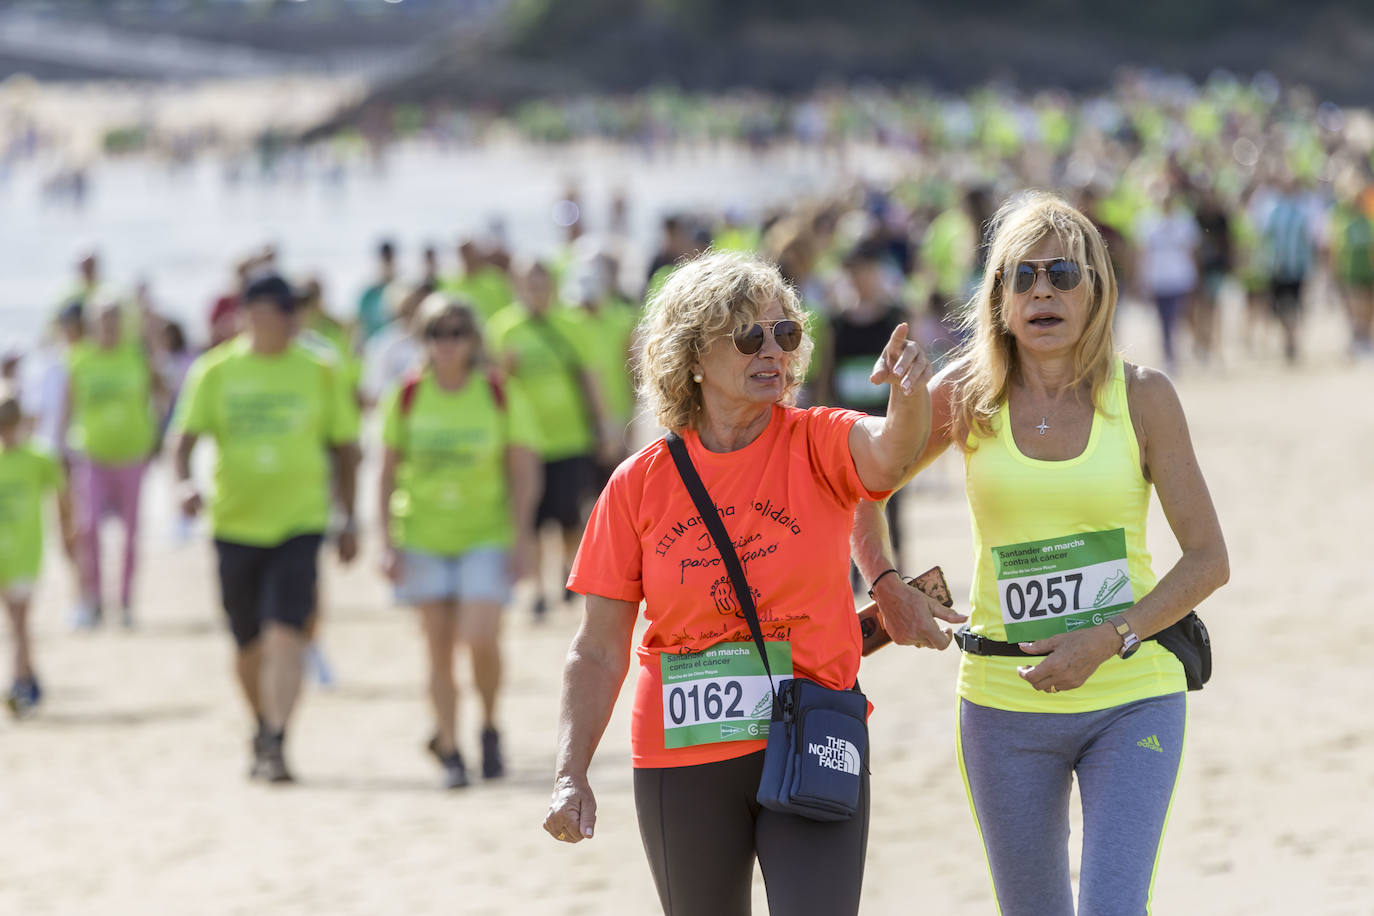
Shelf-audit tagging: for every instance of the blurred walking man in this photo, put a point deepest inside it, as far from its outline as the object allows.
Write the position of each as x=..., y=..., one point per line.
x=279, y=416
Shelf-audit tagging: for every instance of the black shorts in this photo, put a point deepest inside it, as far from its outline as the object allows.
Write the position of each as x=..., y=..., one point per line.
x=567, y=482
x=258, y=584
x=1285, y=297
x=601, y=475
x=702, y=827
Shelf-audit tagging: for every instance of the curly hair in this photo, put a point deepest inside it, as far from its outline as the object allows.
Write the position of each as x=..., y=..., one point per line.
x=988, y=361
x=704, y=299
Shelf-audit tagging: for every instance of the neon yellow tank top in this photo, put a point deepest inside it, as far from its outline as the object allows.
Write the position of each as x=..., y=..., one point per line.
x=1060, y=545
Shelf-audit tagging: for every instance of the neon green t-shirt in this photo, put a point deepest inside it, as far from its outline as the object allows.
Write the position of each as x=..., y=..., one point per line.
x=1056, y=127
x=451, y=490
x=273, y=419
x=659, y=278
x=112, y=404
x=329, y=339
x=548, y=353
x=489, y=290
x=1205, y=120
x=1352, y=245
x=818, y=326
x=948, y=249
x=26, y=474
x=1250, y=252
x=1000, y=130
x=737, y=238
x=607, y=334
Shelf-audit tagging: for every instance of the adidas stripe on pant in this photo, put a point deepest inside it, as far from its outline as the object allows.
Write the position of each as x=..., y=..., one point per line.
x=1018, y=770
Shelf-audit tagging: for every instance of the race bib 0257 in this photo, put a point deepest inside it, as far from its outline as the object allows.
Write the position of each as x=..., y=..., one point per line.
x=721, y=693
x=1061, y=584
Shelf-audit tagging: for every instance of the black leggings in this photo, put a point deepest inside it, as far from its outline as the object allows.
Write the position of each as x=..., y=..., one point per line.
x=702, y=828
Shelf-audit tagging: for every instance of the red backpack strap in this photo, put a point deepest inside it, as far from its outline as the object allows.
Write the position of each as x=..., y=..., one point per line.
x=408, y=389
x=498, y=391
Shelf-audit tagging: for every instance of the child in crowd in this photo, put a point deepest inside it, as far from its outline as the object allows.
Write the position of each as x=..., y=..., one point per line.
x=26, y=475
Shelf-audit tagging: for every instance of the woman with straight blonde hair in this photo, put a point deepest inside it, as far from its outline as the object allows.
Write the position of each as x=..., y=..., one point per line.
x=1062, y=441
x=459, y=486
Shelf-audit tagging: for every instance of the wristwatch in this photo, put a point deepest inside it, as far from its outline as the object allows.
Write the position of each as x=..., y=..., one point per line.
x=1129, y=641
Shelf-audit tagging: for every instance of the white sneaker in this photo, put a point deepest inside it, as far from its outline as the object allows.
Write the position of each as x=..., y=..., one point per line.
x=85, y=616
x=319, y=666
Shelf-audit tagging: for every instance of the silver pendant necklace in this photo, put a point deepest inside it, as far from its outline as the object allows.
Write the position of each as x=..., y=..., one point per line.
x=1043, y=426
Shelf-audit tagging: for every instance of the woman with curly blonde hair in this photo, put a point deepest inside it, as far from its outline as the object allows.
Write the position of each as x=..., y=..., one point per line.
x=1060, y=677
x=724, y=350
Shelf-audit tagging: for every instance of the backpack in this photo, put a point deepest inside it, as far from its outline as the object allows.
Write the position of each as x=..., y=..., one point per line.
x=412, y=385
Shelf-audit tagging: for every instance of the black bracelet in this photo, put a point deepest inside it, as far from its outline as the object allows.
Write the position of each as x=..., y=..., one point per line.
x=880, y=578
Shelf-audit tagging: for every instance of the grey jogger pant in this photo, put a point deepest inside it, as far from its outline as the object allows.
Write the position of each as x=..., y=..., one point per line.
x=1018, y=769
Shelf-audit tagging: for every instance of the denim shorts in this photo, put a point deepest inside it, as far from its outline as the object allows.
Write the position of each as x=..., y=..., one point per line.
x=478, y=575
x=17, y=590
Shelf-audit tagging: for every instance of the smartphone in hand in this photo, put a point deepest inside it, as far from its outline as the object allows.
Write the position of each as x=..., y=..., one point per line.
x=931, y=582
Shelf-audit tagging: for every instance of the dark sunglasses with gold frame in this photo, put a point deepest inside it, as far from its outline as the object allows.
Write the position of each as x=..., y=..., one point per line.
x=1063, y=274
x=749, y=340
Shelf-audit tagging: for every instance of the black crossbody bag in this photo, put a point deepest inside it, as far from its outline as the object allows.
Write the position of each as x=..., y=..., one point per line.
x=817, y=737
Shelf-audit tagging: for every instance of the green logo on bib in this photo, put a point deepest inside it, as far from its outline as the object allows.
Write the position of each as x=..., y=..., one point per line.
x=1110, y=588
x=763, y=708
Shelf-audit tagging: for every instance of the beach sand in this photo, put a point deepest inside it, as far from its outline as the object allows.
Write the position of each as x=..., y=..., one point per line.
x=127, y=793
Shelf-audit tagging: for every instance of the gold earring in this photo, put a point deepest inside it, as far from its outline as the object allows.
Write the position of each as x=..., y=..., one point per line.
x=697, y=378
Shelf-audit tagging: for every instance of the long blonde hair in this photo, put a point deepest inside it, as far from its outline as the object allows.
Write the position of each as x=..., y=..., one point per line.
x=707, y=298
x=988, y=361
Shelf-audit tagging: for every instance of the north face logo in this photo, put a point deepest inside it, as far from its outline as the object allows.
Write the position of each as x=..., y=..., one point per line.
x=836, y=754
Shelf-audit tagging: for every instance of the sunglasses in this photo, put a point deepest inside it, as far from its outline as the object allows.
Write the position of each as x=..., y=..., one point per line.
x=786, y=332
x=447, y=333
x=1063, y=275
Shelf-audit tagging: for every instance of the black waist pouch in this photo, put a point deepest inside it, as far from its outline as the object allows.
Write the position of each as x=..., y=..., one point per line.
x=1188, y=640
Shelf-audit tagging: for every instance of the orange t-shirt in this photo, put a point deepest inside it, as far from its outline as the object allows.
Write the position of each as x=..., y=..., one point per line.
x=787, y=500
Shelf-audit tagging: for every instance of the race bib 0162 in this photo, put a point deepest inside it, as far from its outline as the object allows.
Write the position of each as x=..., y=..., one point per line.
x=1062, y=584
x=721, y=693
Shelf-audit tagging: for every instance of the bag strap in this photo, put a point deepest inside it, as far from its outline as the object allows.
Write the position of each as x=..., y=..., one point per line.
x=678, y=449
x=411, y=386
x=566, y=355
x=408, y=391
x=498, y=390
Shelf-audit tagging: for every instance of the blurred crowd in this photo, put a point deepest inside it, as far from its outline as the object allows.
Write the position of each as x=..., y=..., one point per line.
x=1201, y=191
x=1174, y=172
x=988, y=129
x=1223, y=191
